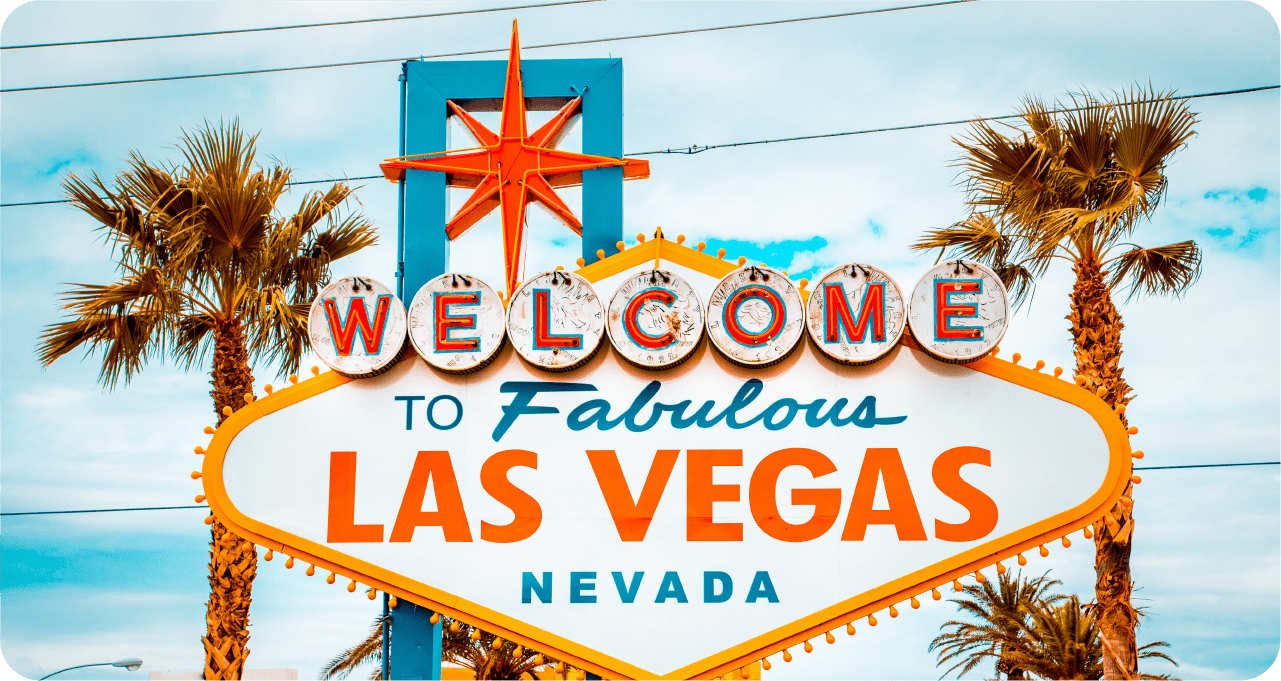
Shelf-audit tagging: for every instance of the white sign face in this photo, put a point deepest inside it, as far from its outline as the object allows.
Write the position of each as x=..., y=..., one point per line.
x=556, y=321
x=855, y=314
x=655, y=319
x=668, y=524
x=457, y=323
x=959, y=311
x=357, y=327
x=755, y=316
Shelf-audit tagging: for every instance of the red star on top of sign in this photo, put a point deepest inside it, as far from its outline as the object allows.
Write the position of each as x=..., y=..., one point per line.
x=513, y=168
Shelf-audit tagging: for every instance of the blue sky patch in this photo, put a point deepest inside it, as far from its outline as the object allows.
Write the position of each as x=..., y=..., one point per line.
x=779, y=254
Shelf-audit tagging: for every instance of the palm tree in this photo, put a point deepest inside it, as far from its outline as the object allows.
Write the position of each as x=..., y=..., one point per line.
x=1072, y=183
x=1000, y=612
x=461, y=644
x=207, y=263
x=1061, y=641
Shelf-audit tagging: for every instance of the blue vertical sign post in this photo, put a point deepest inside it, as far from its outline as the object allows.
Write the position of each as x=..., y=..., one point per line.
x=423, y=247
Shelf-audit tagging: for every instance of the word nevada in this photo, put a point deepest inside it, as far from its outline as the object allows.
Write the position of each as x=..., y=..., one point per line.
x=655, y=320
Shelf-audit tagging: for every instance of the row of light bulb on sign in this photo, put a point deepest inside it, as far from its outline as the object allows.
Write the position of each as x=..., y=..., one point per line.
x=743, y=672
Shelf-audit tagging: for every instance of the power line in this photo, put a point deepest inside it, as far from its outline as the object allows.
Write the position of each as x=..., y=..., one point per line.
x=495, y=50
x=166, y=508
x=1207, y=465
x=285, y=28
x=287, y=184
x=697, y=149
x=104, y=510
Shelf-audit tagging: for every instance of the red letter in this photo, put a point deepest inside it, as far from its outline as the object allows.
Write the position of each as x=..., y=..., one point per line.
x=449, y=513
x=700, y=494
x=446, y=322
x=493, y=477
x=342, y=503
x=838, y=313
x=947, y=477
x=544, y=339
x=631, y=519
x=778, y=315
x=883, y=464
x=343, y=332
x=632, y=311
x=762, y=495
x=945, y=309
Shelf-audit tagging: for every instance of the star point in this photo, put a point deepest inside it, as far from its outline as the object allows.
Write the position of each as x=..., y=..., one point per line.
x=513, y=168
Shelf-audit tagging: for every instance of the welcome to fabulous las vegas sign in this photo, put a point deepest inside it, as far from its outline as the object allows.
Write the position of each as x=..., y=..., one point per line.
x=664, y=464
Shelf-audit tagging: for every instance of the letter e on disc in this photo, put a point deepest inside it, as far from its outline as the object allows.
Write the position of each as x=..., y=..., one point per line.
x=958, y=311
x=457, y=323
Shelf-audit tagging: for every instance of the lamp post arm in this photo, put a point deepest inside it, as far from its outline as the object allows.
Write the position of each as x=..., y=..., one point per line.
x=80, y=666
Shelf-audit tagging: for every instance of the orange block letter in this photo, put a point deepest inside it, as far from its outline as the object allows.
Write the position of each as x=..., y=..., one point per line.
x=631, y=519
x=883, y=464
x=449, y=513
x=342, y=503
x=763, y=497
x=493, y=477
x=700, y=494
x=947, y=477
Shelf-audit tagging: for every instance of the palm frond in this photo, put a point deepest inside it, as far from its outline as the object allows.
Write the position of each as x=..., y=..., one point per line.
x=1163, y=270
x=977, y=238
x=368, y=650
x=127, y=342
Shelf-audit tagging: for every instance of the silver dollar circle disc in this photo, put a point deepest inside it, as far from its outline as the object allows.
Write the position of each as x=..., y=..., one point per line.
x=556, y=321
x=755, y=316
x=855, y=314
x=357, y=327
x=457, y=323
x=958, y=311
x=655, y=319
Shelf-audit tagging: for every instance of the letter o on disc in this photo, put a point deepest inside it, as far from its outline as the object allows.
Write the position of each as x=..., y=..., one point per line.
x=958, y=311
x=755, y=316
x=556, y=321
x=457, y=323
x=655, y=319
x=357, y=327
x=856, y=314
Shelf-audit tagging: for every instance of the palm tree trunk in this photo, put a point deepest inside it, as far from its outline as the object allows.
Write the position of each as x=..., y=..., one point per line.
x=233, y=561
x=1096, y=334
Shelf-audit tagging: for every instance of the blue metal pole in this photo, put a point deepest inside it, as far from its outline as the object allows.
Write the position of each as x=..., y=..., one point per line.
x=386, y=672
x=416, y=642
x=400, y=190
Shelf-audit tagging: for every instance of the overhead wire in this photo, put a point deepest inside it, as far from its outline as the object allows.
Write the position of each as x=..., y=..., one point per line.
x=166, y=508
x=697, y=149
x=588, y=41
x=294, y=26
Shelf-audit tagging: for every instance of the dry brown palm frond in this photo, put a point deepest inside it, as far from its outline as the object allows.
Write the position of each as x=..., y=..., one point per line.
x=368, y=650
x=1001, y=172
x=127, y=342
x=1019, y=282
x=1163, y=270
x=1087, y=127
x=978, y=238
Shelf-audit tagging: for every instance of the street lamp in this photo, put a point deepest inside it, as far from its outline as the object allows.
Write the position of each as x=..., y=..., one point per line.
x=130, y=663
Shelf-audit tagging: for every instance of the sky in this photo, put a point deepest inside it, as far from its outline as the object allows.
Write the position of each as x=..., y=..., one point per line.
x=84, y=588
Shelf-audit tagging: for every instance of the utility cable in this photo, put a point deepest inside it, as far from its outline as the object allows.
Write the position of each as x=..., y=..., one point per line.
x=286, y=28
x=1207, y=465
x=165, y=508
x=699, y=149
x=103, y=510
x=287, y=184
x=495, y=50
